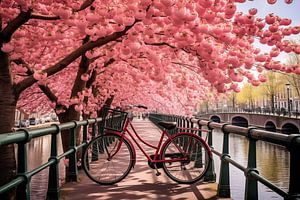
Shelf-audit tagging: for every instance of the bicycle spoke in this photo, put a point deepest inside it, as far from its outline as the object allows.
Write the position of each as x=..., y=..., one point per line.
x=112, y=160
x=187, y=170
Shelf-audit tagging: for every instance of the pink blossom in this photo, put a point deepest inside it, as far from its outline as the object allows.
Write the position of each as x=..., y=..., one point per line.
x=7, y=48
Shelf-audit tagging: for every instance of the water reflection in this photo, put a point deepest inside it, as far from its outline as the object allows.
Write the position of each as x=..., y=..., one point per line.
x=38, y=154
x=272, y=163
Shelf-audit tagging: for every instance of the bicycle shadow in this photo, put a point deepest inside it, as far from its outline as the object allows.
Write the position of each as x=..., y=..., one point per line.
x=141, y=183
x=138, y=187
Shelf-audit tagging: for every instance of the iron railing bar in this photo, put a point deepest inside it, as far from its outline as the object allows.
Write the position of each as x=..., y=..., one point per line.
x=267, y=183
x=40, y=168
x=255, y=175
x=229, y=160
x=20, y=136
x=81, y=145
x=277, y=138
x=12, y=184
x=13, y=137
x=216, y=152
x=65, y=154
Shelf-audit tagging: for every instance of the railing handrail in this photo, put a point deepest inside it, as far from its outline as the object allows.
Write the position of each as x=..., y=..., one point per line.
x=22, y=136
x=293, y=114
x=291, y=142
x=255, y=133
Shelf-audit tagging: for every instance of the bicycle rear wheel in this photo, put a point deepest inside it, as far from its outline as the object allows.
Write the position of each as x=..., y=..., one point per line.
x=193, y=158
x=100, y=166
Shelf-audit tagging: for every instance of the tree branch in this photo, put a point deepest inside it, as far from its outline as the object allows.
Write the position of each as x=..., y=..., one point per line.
x=23, y=17
x=62, y=64
x=109, y=62
x=44, y=17
x=161, y=44
x=6, y=33
x=94, y=58
x=84, y=5
x=91, y=80
x=46, y=90
x=20, y=61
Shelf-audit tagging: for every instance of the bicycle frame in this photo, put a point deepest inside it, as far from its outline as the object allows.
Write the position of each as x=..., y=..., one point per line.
x=158, y=147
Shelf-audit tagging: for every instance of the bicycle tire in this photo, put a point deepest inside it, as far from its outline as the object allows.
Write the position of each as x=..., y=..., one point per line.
x=196, y=164
x=97, y=165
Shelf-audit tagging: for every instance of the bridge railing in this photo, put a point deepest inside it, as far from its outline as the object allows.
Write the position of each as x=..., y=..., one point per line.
x=22, y=136
x=290, y=142
x=277, y=112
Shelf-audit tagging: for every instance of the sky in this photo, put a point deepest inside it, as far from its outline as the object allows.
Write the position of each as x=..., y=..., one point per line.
x=280, y=8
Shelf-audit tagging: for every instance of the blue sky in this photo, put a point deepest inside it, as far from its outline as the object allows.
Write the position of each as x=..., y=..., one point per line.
x=280, y=8
x=291, y=11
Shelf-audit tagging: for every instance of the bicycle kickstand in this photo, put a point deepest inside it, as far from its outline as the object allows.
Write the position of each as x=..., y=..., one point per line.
x=157, y=172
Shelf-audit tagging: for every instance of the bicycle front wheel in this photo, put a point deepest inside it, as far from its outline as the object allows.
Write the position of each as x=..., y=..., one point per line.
x=108, y=159
x=187, y=158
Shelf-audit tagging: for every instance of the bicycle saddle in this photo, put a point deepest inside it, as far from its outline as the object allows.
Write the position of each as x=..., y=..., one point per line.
x=167, y=125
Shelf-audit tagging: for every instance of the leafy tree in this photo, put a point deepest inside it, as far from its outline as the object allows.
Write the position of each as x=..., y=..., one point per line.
x=271, y=87
x=294, y=79
x=247, y=96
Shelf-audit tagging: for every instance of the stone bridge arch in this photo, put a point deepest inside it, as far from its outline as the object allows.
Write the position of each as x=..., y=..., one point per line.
x=215, y=118
x=239, y=121
x=289, y=128
x=270, y=126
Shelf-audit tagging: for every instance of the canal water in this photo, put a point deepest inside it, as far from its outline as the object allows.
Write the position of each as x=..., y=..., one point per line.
x=272, y=163
x=38, y=154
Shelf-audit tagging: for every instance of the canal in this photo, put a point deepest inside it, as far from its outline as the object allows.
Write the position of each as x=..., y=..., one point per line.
x=272, y=163
x=39, y=153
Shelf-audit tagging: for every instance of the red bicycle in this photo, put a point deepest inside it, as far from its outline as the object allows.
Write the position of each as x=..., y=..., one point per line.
x=185, y=157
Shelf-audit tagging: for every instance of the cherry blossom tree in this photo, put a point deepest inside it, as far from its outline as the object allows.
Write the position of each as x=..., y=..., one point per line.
x=73, y=55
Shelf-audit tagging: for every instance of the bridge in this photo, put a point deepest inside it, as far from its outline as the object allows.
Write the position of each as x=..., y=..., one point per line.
x=269, y=122
x=142, y=183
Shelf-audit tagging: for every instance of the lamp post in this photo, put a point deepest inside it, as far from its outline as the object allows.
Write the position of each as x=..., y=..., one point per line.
x=288, y=98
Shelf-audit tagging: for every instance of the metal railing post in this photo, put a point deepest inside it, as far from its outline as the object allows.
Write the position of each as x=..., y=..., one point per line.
x=199, y=161
x=294, y=185
x=224, y=183
x=192, y=124
x=84, y=140
x=210, y=175
x=23, y=190
x=199, y=127
x=173, y=120
x=179, y=122
x=72, y=171
x=187, y=124
x=53, y=183
x=251, y=190
x=95, y=146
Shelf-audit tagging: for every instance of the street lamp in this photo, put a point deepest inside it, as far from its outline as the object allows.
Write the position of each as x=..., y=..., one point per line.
x=288, y=98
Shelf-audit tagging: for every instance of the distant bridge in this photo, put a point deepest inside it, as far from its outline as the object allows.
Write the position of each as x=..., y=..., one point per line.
x=272, y=123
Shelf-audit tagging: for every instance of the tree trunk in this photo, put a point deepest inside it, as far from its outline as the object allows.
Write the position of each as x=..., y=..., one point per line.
x=8, y=101
x=70, y=115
